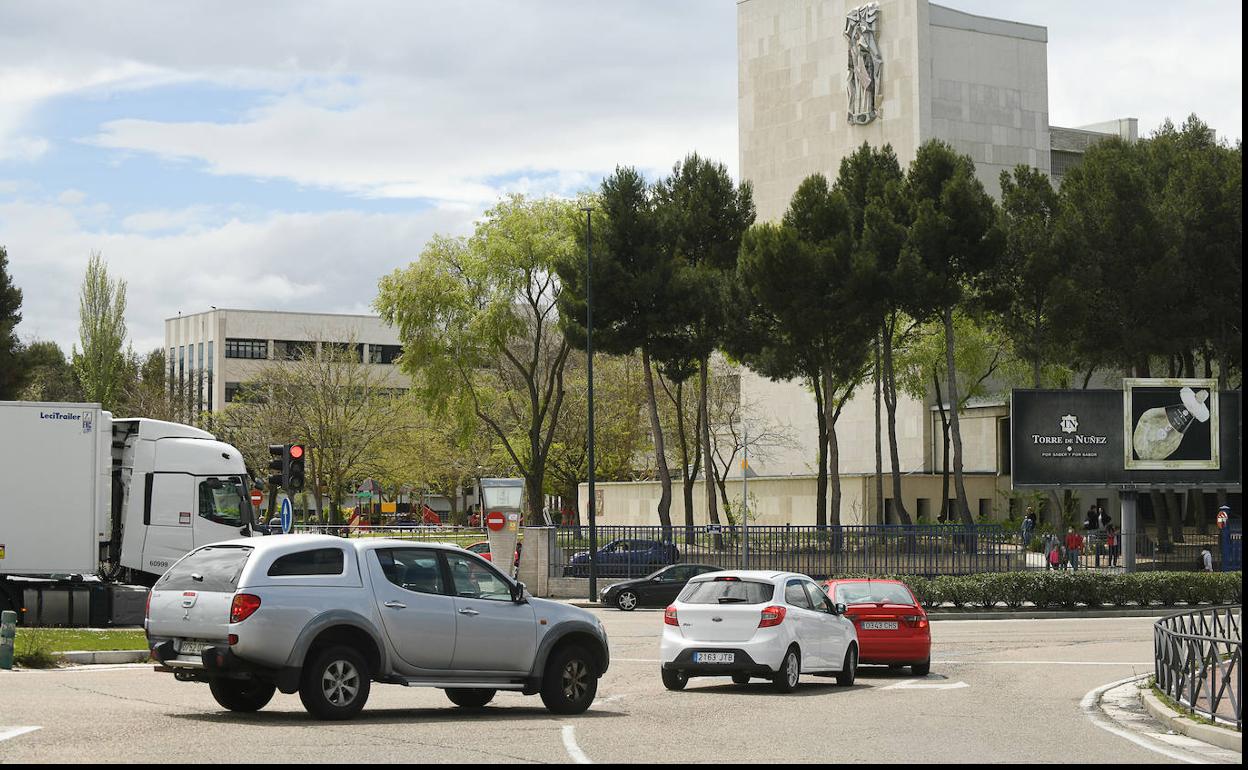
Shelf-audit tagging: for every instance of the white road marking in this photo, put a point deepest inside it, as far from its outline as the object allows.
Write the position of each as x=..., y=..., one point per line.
x=917, y=684
x=637, y=660
x=1091, y=706
x=93, y=668
x=1053, y=662
x=12, y=732
x=574, y=751
x=606, y=700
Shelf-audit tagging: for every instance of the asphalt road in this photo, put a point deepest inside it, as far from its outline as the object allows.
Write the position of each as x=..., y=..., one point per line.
x=1000, y=691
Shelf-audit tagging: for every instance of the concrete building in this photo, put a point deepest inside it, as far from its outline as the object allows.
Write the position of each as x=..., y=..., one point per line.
x=817, y=79
x=213, y=353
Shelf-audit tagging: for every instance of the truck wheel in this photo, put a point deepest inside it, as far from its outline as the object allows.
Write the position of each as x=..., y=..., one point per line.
x=674, y=680
x=245, y=695
x=570, y=682
x=469, y=698
x=335, y=685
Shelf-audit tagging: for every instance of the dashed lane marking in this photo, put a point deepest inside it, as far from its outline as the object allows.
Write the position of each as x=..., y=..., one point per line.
x=12, y=732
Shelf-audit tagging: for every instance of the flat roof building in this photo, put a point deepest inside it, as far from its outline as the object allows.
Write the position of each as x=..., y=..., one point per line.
x=211, y=354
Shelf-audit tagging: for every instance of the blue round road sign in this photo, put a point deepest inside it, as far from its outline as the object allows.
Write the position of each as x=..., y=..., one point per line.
x=288, y=516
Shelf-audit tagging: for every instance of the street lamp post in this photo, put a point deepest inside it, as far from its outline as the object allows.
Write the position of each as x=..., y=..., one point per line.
x=589, y=354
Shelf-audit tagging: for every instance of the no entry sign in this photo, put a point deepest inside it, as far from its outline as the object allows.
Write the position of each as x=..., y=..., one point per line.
x=256, y=496
x=495, y=521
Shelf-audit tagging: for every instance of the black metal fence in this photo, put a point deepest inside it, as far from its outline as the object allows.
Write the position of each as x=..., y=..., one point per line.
x=429, y=534
x=1152, y=554
x=1199, y=661
x=819, y=552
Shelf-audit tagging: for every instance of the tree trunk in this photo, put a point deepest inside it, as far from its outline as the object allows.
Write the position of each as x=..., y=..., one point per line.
x=890, y=404
x=1161, y=516
x=821, y=483
x=660, y=452
x=712, y=506
x=687, y=471
x=1176, y=501
x=944, y=460
x=879, y=449
x=831, y=413
x=959, y=484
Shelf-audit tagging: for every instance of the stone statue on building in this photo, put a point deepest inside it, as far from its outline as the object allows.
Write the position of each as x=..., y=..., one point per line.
x=863, y=83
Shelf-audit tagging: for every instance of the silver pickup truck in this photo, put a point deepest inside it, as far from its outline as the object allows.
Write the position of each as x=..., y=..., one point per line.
x=325, y=617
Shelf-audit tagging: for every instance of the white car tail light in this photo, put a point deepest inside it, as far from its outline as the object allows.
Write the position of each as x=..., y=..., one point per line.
x=772, y=616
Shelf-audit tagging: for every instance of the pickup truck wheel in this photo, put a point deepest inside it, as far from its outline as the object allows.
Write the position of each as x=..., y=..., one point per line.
x=570, y=682
x=469, y=698
x=243, y=695
x=336, y=683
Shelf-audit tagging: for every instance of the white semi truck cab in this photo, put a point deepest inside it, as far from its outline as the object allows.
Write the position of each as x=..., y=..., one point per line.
x=88, y=500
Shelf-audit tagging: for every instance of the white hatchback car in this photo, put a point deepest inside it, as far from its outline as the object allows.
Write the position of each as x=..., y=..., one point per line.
x=747, y=624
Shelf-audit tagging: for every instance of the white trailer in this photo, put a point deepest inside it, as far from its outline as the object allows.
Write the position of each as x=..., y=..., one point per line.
x=90, y=500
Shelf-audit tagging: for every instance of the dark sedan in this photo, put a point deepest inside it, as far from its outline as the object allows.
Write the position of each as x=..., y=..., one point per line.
x=625, y=558
x=658, y=589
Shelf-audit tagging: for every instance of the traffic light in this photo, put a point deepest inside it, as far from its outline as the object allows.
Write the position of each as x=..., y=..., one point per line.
x=278, y=463
x=294, y=467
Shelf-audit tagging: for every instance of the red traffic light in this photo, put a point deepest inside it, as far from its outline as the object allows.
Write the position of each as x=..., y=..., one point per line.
x=296, y=451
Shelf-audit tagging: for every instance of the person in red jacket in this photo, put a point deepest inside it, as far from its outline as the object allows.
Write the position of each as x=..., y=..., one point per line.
x=1074, y=544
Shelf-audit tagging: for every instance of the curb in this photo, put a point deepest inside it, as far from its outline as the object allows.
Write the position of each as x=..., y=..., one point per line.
x=106, y=657
x=940, y=614
x=1221, y=737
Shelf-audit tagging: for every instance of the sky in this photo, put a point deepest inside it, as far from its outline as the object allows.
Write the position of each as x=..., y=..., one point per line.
x=287, y=154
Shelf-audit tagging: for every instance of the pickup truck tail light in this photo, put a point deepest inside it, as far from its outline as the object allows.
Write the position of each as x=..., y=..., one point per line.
x=669, y=617
x=243, y=606
x=772, y=616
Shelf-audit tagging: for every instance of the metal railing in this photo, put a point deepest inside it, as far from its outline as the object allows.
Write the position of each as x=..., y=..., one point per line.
x=820, y=552
x=419, y=533
x=1198, y=661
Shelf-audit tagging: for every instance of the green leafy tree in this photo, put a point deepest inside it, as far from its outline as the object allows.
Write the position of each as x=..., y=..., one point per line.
x=952, y=242
x=703, y=216
x=797, y=280
x=634, y=296
x=11, y=372
x=1033, y=289
x=101, y=364
x=479, y=322
x=872, y=182
x=49, y=374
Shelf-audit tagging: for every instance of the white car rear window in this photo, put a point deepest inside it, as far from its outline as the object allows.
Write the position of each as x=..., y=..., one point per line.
x=727, y=591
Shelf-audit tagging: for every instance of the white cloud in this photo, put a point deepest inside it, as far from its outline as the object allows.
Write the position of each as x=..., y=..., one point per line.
x=326, y=262
x=71, y=197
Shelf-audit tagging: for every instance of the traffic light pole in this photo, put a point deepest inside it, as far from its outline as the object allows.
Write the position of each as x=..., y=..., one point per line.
x=589, y=352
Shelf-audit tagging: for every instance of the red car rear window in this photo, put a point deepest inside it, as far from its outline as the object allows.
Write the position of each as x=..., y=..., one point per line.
x=872, y=593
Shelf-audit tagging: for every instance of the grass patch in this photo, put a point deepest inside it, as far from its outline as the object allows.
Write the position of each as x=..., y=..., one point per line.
x=1182, y=710
x=56, y=640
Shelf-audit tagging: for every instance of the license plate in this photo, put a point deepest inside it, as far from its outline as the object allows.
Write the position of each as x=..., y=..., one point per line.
x=193, y=646
x=714, y=657
x=879, y=625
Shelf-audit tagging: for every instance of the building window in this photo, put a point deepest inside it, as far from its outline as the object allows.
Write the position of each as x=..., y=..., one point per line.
x=293, y=350
x=211, y=393
x=252, y=349
x=199, y=380
x=384, y=354
x=231, y=391
x=350, y=349
x=173, y=373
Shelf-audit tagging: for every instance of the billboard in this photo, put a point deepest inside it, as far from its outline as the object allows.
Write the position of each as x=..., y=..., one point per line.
x=1152, y=433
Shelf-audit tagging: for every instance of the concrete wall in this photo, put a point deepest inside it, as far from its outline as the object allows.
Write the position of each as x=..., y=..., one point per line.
x=791, y=91
x=990, y=91
x=776, y=501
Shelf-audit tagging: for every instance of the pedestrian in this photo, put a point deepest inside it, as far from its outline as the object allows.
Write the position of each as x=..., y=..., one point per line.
x=1206, y=560
x=1111, y=544
x=1074, y=544
x=1029, y=526
x=1089, y=519
x=1103, y=519
x=1054, y=557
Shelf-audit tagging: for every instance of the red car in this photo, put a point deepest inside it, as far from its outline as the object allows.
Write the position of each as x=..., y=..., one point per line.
x=892, y=627
x=482, y=549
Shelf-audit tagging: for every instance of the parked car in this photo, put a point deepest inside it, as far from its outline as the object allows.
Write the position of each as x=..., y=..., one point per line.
x=482, y=549
x=752, y=624
x=326, y=617
x=658, y=589
x=892, y=626
x=626, y=558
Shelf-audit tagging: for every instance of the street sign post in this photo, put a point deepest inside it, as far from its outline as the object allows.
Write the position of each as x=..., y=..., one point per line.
x=288, y=516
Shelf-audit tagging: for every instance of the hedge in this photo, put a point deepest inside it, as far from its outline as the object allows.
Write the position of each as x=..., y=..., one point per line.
x=1068, y=590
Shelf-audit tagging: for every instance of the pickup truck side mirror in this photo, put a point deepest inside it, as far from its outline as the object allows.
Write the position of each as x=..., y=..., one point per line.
x=839, y=608
x=519, y=593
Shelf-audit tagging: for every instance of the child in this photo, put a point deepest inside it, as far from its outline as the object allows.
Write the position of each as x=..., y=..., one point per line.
x=1055, y=556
